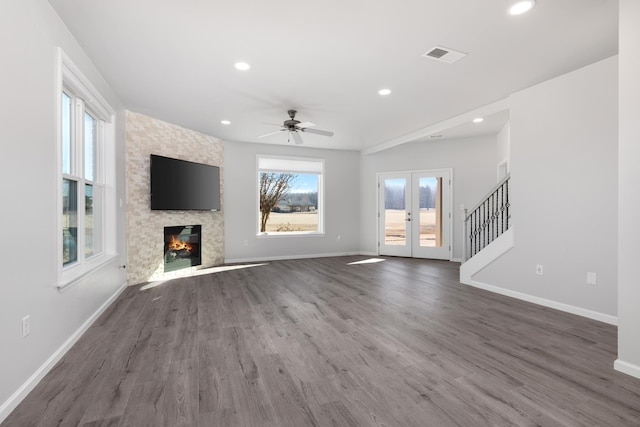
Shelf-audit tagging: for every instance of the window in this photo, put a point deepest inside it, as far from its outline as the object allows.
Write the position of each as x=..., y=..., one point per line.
x=290, y=196
x=85, y=130
x=82, y=186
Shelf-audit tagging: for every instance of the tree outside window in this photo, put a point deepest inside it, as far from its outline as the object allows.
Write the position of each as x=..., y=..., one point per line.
x=289, y=192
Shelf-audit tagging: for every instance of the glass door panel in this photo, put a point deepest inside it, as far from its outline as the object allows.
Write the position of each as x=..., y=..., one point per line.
x=430, y=218
x=395, y=214
x=431, y=203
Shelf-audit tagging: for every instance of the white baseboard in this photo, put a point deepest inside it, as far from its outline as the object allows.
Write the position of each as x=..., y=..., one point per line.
x=601, y=317
x=457, y=260
x=287, y=257
x=368, y=254
x=627, y=368
x=14, y=400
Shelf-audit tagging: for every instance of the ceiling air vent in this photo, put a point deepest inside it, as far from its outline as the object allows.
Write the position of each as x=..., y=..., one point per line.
x=443, y=54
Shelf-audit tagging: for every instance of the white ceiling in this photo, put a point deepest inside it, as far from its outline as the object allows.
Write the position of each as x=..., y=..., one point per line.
x=174, y=60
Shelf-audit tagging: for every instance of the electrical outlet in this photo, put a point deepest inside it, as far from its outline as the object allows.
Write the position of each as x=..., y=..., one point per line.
x=539, y=270
x=26, y=326
x=592, y=279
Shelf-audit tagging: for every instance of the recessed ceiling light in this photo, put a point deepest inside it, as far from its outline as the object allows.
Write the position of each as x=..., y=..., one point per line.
x=242, y=66
x=225, y=122
x=478, y=120
x=384, y=92
x=521, y=7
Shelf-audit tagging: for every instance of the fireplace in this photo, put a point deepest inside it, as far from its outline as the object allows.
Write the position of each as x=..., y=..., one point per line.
x=181, y=247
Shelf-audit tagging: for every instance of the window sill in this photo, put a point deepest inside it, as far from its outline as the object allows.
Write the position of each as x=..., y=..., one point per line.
x=280, y=234
x=74, y=274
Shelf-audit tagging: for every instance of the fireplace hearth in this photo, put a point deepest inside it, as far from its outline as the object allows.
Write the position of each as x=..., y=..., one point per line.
x=181, y=247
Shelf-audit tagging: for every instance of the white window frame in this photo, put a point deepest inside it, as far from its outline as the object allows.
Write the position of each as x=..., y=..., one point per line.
x=287, y=164
x=85, y=97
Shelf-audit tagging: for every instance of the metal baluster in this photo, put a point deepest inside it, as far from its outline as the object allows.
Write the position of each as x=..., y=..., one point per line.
x=490, y=220
x=494, y=204
x=484, y=222
x=501, y=208
x=498, y=225
x=476, y=237
x=470, y=234
x=498, y=232
x=484, y=225
x=464, y=238
x=495, y=219
x=489, y=236
x=479, y=228
x=507, y=204
x=473, y=229
x=486, y=228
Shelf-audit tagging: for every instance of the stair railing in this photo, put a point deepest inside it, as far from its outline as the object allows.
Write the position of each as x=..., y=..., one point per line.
x=488, y=219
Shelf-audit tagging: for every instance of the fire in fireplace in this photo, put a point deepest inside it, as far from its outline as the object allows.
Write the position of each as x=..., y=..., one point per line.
x=181, y=247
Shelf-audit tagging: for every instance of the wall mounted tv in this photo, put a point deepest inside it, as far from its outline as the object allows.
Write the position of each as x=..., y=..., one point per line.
x=182, y=185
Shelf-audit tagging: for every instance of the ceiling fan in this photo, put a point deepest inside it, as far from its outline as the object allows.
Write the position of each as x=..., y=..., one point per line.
x=295, y=127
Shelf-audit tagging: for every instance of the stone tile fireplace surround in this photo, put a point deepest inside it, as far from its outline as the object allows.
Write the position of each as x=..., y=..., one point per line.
x=145, y=228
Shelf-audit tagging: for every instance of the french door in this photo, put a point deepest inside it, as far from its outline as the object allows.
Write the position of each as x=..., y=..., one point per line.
x=414, y=214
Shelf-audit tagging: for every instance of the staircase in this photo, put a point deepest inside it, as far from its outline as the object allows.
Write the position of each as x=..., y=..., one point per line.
x=488, y=231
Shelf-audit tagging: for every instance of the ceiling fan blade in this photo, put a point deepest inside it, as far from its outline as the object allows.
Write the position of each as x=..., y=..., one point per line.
x=296, y=137
x=318, y=131
x=305, y=125
x=270, y=133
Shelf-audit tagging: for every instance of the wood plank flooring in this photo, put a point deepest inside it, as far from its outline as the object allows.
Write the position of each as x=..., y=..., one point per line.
x=320, y=342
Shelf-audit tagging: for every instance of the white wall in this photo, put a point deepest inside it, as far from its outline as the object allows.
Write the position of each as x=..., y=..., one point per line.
x=473, y=161
x=30, y=31
x=341, y=212
x=629, y=196
x=563, y=186
x=504, y=147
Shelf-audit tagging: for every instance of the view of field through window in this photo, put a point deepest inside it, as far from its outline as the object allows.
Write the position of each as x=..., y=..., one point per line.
x=396, y=225
x=289, y=202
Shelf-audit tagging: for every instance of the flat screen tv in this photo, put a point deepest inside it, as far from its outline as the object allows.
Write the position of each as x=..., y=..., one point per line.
x=182, y=185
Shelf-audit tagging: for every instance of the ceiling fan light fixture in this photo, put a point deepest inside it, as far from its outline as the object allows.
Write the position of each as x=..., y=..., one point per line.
x=384, y=92
x=294, y=128
x=521, y=7
x=242, y=66
x=225, y=122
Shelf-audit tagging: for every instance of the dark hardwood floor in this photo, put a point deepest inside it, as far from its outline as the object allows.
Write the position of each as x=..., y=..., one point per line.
x=320, y=342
